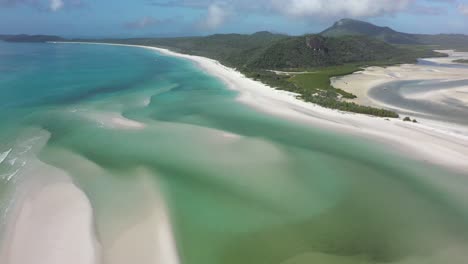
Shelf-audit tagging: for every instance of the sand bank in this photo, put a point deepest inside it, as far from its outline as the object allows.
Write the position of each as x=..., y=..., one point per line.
x=439, y=143
x=115, y=120
x=145, y=236
x=452, y=56
x=360, y=83
x=51, y=221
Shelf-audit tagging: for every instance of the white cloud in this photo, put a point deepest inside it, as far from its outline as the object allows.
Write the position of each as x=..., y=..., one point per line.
x=56, y=5
x=463, y=9
x=310, y=8
x=50, y=5
x=344, y=8
x=215, y=17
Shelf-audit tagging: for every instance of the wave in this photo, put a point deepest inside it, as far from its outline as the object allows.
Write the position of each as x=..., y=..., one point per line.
x=8, y=177
x=4, y=155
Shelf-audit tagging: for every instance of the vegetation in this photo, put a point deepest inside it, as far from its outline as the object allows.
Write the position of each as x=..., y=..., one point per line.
x=234, y=50
x=294, y=53
x=318, y=82
x=267, y=51
x=315, y=87
x=408, y=119
x=461, y=61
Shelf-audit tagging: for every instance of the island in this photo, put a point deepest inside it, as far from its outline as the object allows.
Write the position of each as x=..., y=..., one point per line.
x=31, y=38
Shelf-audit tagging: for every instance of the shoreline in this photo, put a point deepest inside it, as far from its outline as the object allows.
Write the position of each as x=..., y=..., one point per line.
x=442, y=144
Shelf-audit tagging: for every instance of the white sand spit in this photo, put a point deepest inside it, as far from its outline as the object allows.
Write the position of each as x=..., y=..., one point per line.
x=52, y=222
x=111, y=120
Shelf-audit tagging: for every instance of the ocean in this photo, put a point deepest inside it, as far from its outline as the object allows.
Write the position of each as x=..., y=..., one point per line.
x=240, y=186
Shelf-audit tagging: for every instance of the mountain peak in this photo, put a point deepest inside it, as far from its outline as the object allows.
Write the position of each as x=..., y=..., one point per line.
x=345, y=21
x=352, y=27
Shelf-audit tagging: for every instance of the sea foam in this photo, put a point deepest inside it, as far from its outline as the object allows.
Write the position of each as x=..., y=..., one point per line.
x=4, y=155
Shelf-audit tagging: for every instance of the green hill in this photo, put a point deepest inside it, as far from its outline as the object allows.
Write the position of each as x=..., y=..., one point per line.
x=351, y=27
x=317, y=51
x=234, y=50
x=267, y=51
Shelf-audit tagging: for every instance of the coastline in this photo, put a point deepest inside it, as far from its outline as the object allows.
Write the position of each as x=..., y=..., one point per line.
x=442, y=144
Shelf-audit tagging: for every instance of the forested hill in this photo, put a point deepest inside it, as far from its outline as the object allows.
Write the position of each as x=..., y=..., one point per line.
x=264, y=50
x=351, y=27
x=231, y=49
x=317, y=51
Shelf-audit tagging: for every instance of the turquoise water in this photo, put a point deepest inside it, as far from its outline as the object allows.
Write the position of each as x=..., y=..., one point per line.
x=240, y=186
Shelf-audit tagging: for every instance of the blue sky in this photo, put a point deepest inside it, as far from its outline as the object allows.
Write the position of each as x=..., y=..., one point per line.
x=121, y=18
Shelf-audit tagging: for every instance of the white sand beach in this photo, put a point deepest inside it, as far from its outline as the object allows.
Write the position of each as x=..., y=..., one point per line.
x=51, y=221
x=439, y=143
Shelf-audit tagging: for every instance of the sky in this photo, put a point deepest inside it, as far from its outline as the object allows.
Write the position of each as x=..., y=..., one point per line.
x=133, y=18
